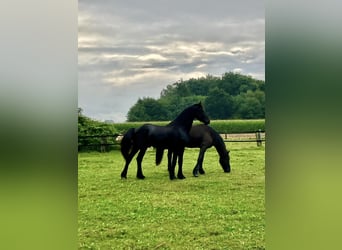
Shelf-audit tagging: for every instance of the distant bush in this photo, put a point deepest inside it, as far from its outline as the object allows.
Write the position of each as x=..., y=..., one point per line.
x=88, y=128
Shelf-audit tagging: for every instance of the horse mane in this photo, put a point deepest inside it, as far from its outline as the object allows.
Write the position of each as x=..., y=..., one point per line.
x=218, y=142
x=183, y=116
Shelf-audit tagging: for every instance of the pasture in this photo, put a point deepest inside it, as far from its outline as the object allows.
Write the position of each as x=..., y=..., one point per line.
x=213, y=211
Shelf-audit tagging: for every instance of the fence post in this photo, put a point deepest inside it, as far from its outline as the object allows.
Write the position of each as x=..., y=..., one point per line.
x=258, y=138
x=103, y=146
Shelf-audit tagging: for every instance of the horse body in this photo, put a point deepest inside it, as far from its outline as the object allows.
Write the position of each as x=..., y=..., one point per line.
x=163, y=136
x=173, y=137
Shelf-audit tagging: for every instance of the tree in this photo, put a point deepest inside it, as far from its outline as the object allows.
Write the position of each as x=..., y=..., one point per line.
x=219, y=104
x=230, y=96
x=230, y=83
x=251, y=105
x=147, y=109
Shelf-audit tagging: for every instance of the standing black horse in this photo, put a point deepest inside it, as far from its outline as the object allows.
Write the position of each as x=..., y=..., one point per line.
x=204, y=137
x=173, y=137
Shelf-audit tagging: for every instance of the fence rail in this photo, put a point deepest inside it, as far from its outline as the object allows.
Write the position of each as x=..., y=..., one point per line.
x=258, y=137
x=104, y=143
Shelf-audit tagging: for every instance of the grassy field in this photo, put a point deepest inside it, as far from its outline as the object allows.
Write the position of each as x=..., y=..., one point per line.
x=214, y=211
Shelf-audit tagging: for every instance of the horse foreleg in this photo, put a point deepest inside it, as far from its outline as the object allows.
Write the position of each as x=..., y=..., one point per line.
x=139, y=160
x=180, y=164
x=128, y=161
x=199, y=164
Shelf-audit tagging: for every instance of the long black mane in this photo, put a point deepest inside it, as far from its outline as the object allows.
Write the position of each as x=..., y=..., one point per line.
x=184, y=119
x=218, y=143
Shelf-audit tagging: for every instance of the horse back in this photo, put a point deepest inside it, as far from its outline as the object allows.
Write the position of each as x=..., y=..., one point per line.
x=200, y=135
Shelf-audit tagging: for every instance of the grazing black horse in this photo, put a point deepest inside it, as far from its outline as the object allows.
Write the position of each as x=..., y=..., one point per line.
x=173, y=137
x=204, y=137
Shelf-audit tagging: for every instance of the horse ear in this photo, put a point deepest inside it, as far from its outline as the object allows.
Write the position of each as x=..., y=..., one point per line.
x=200, y=103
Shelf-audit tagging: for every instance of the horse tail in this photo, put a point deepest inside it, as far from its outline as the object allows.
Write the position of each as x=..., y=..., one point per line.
x=159, y=155
x=127, y=143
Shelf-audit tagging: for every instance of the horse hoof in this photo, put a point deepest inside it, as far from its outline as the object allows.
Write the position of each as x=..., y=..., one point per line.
x=181, y=177
x=123, y=177
x=141, y=177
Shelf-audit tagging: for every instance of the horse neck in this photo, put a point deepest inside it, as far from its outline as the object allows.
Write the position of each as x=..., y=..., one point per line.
x=184, y=120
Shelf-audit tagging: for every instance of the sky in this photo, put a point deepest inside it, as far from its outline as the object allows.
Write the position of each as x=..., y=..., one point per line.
x=130, y=49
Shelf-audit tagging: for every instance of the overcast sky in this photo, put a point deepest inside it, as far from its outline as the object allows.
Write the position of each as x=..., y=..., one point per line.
x=129, y=49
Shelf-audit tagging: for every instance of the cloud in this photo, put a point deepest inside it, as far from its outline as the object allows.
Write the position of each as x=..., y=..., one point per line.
x=129, y=49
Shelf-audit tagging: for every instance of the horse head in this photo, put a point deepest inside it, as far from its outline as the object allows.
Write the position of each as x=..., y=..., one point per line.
x=225, y=162
x=200, y=114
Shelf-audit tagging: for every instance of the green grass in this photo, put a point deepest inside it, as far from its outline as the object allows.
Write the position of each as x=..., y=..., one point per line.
x=214, y=211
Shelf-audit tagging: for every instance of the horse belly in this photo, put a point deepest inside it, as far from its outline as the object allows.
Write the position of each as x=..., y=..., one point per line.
x=194, y=143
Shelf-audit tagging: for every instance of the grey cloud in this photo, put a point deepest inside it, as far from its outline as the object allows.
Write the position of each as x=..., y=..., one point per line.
x=146, y=45
x=150, y=9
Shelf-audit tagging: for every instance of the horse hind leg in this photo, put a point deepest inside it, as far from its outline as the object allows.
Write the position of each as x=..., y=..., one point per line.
x=180, y=165
x=169, y=160
x=173, y=160
x=139, y=160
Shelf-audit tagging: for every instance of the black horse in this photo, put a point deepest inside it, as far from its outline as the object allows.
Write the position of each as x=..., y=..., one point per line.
x=203, y=137
x=173, y=137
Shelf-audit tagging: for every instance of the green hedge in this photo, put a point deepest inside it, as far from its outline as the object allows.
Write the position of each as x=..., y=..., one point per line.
x=221, y=126
x=237, y=126
x=123, y=127
x=90, y=128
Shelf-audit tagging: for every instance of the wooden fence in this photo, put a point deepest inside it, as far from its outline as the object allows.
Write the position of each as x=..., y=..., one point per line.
x=101, y=143
x=105, y=143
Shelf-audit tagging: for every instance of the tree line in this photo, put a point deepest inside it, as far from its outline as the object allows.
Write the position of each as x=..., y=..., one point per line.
x=231, y=96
